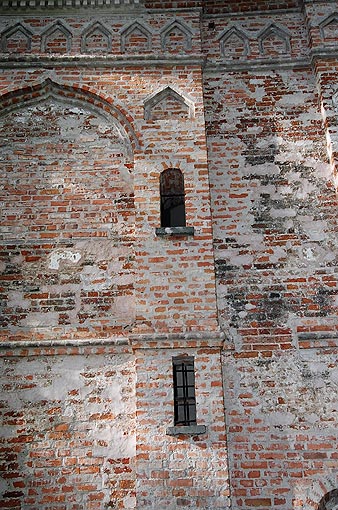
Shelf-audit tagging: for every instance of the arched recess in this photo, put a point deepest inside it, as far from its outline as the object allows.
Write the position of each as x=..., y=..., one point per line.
x=234, y=43
x=16, y=39
x=69, y=217
x=102, y=104
x=274, y=40
x=328, y=28
x=329, y=501
x=321, y=494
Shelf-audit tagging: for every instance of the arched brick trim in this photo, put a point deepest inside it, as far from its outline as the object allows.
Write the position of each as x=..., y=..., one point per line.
x=330, y=497
x=102, y=105
x=320, y=492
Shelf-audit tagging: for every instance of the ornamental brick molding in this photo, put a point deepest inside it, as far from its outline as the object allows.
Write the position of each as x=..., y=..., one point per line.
x=64, y=4
x=171, y=102
x=176, y=37
x=136, y=38
x=329, y=28
x=96, y=38
x=274, y=37
x=16, y=39
x=57, y=38
x=234, y=43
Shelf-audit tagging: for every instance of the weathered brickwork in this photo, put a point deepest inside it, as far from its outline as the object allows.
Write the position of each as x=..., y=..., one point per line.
x=271, y=140
x=281, y=427
x=68, y=429
x=96, y=100
x=68, y=199
x=171, y=470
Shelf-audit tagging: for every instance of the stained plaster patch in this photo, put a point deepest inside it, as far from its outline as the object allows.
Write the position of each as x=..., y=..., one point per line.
x=66, y=255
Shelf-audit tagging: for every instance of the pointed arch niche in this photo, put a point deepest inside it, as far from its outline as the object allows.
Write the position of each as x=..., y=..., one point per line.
x=274, y=40
x=56, y=39
x=168, y=103
x=16, y=39
x=329, y=28
x=136, y=38
x=68, y=196
x=176, y=37
x=234, y=44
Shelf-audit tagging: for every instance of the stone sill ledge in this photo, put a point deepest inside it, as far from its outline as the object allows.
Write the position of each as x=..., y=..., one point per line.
x=175, y=231
x=187, y=430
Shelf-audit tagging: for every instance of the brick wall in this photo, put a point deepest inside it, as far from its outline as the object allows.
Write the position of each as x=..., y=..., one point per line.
x=96, y=301
x=186, y=470
x=68, y=222
x=68, y=428
x=272, y=182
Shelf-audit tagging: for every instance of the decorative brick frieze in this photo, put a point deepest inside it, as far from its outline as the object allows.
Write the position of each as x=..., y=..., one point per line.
x=106, y=34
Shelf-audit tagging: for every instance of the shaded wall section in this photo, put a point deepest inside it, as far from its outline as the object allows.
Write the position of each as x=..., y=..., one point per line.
x=68, y=223
x=274, y=208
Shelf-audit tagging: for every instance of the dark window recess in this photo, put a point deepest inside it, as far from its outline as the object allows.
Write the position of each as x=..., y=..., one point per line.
x=172, y=198
x=184, y=391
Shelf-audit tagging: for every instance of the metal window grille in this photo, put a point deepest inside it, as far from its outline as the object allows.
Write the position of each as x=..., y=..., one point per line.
x=184, y=391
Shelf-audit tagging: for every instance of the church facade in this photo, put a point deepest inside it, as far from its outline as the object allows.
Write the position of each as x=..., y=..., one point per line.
x=169, y=331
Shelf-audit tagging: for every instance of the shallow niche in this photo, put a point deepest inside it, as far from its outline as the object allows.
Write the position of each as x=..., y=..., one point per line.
x=234, y=44
x=329, y=28
x=274, y=40
x=96, y=39
x=168, y=104
x=136, y=39
x=16, y=39
x=56, y=39
x=176, y=37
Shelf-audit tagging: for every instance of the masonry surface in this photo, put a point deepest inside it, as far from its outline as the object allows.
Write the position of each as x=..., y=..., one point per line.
x=96, y=100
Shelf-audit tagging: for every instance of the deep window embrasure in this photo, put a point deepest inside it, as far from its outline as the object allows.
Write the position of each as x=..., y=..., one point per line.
x=172, y=198
x=184, y=391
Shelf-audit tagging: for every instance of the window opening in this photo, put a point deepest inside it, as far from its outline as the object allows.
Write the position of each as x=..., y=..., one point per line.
x=172, y=198
x=184, y=391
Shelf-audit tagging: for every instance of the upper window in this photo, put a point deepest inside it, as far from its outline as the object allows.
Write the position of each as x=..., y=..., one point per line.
x=172, y=198
x=184, y=391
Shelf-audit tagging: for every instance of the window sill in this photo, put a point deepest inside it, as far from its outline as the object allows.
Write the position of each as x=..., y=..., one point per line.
x=174, y=231
x=190, y=430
